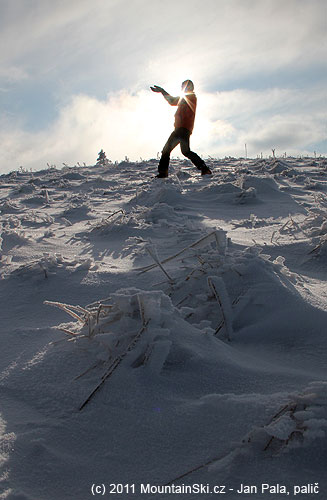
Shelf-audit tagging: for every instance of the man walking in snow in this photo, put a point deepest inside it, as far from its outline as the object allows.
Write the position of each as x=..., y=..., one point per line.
x=184, y=123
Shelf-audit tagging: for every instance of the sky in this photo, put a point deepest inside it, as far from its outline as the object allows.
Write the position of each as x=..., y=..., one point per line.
x=75, y=78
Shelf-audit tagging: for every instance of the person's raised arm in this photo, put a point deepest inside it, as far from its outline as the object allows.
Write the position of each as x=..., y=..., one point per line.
x=173, y=101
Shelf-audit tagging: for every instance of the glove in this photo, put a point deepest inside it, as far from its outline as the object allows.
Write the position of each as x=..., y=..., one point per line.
x=155, y=88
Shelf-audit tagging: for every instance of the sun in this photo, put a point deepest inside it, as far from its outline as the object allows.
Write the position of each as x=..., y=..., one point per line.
x=182, y=94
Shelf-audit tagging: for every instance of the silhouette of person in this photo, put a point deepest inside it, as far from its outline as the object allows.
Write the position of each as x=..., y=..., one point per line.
x=184, y=123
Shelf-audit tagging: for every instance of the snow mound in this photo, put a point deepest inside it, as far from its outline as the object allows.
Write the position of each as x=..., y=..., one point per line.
x=221, y=188
x=73, y=176
x=24, y=189
x=278, y=167
x=8, y=207
x=77, y=211
x=37, y=200
x=262, y=185
x=301, y=421
x=12, y=238
x=51, y=265
x=169, y=193
x=114, y=325
x=117, y=222
x=95, y=184
x=227, y=192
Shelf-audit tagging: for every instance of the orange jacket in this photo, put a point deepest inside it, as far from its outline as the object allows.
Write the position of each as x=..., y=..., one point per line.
x=185, y=114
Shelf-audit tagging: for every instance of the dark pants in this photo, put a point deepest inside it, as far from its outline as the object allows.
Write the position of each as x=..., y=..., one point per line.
x=179, y=136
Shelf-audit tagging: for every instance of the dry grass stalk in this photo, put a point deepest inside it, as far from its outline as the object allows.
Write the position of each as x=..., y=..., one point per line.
x=216, y=295
x=69, y=310
x=157, y=261
x=209, y=236
x=114, y=365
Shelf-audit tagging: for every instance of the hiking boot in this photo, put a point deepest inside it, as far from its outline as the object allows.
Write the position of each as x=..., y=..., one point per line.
x=161, y=175
x=205, y=171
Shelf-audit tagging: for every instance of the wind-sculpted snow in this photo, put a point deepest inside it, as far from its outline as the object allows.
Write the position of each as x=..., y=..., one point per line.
x=163, y=330
x=6, y=446
x=168, y=193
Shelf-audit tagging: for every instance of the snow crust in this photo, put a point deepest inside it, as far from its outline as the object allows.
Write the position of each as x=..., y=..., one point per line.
x=195, y=308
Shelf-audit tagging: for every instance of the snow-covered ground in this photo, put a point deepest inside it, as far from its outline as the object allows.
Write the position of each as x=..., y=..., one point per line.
x=196, y=306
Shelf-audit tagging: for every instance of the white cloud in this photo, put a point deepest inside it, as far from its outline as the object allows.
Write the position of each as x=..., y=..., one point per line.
x=130, y=42
x=286, y=119
x=286, y=133
x=11, y=74
x=234, y=40
x=69, y=49
x=123, y=125
x=138, y=126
